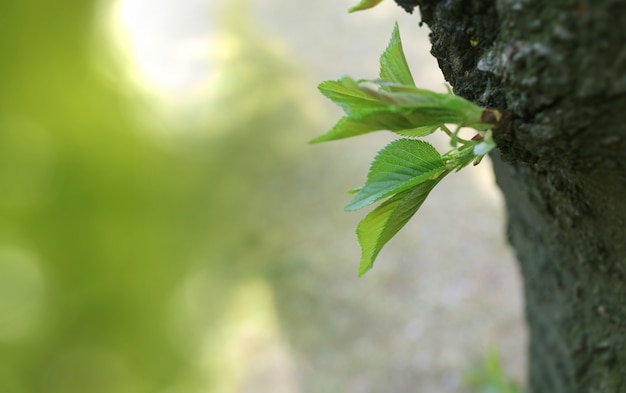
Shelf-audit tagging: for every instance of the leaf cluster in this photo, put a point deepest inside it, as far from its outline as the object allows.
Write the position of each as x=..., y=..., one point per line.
x=406, y=170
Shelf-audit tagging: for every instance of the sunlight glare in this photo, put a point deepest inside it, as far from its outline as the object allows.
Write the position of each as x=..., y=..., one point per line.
x=168, y=41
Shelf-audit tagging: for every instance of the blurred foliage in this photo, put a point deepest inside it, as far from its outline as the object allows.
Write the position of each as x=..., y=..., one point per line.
x=489, y=377
x=119, y=250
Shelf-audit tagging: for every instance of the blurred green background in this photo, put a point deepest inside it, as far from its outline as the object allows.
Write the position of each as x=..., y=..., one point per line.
x=164, y=226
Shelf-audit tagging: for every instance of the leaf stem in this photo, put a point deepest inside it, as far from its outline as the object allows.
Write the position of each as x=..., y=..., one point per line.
x=458, y=158
x=453, y=135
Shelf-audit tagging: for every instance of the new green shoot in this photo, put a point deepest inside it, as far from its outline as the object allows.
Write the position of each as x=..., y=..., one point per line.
x=406, y=170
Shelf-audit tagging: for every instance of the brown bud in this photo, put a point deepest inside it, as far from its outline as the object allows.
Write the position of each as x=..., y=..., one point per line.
x=490, y=116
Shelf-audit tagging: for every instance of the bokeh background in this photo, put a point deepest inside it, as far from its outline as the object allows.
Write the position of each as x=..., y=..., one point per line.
x=166, y=228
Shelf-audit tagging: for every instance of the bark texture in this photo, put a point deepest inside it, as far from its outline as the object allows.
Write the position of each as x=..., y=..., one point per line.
x=558, y=70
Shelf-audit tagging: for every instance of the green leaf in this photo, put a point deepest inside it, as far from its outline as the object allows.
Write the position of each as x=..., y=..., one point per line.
x=399, y=166
x=430, y=107
x=395, y=94
x=382, y=223
x=348, y=95
x=418, y=131
x=407, y=110
x=346, y=128
x=364, y=4
x=393, y=65
x=376, y=119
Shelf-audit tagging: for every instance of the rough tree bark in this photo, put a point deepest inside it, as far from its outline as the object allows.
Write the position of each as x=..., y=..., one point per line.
x=558, y=69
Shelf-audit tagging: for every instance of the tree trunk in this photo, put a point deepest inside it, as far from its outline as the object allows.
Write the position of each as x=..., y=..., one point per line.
x=558, y=70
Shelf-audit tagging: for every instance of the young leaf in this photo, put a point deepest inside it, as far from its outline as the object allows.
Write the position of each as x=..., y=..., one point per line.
x=393, y=65
x=407, y=110
x=430, y=107
x=382, y=223
x=364, y=4
x=434, y=107
x=346, y=127
x=399, y=166
x=375, y=119
x=348, y=95
x=395, y=94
